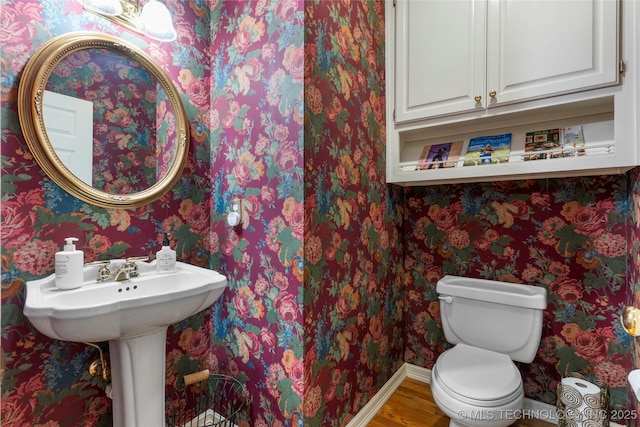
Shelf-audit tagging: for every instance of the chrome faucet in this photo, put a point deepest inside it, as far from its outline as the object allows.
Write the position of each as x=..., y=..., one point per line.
x=125, y=272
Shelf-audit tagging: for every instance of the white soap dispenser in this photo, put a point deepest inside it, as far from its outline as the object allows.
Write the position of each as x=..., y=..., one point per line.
x=166, y=257
x=69, y=266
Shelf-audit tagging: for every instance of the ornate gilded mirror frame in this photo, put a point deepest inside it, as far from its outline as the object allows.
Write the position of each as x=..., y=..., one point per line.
x=30, y=110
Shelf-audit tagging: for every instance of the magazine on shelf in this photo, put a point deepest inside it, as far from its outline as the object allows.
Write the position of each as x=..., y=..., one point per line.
x=441, y=155
x=488, y=149
x=573, y=141
x=553, y=143
x=541, y=143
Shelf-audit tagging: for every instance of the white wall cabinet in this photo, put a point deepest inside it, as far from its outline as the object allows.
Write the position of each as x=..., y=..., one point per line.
x=456, y=56
x=544, y=48
x=439, y=57
x=467, y=68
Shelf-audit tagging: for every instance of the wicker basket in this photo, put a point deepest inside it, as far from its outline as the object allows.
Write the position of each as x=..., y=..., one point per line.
x=206, y=400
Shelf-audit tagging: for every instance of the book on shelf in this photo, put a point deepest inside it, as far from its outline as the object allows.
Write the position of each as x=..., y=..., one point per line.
x=553, y=143
x=488, y=149
x=440, y=155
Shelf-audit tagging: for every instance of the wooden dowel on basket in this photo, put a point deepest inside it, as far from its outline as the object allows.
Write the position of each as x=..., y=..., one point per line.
x=196, y=377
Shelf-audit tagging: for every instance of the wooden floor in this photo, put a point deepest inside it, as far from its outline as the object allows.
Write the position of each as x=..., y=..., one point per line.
x=412, y=405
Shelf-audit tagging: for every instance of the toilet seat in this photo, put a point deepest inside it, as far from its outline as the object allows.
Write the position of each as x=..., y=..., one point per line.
x=477, y=376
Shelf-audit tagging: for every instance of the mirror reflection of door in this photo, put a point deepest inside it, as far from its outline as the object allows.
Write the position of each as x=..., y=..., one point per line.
x=69, y=124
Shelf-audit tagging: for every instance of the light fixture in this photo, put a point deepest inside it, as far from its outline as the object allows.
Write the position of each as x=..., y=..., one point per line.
x=631, y=320
x=153, y=20
x=104, y=7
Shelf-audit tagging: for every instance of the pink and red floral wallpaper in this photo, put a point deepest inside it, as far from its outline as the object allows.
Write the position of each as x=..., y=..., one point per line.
x=45, y=382
x=332, y=273
x=242, y=81
x=353, y=292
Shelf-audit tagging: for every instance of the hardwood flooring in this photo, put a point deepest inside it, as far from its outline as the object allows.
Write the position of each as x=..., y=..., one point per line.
x=412, y=405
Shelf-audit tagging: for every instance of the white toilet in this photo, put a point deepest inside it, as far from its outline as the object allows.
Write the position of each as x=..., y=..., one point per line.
x=492, y=324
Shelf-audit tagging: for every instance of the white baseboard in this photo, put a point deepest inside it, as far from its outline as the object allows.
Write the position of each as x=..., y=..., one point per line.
x=539, y=410
x=418, y=373
x=369, y=410
x=531, y=408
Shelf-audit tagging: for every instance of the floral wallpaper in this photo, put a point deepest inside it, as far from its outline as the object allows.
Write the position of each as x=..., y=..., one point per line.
x=243, y=81
x=567, y=235
x=45, y=382
x=332, y=273
x=354, y=294
x=302, y=314
x=633, y=273
x=256, y=122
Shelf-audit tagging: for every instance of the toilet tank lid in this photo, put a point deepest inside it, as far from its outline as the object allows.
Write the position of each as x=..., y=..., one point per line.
x=494, y=291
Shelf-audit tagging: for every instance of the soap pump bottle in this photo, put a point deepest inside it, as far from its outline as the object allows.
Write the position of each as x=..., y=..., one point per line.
x=69, y=265
x=166, y=257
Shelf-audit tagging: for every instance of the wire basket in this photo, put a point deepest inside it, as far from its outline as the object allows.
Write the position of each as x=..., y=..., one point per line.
x=207, y=400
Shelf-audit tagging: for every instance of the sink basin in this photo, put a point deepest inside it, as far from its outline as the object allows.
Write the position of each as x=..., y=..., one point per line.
x=133, y=315
x=118, y=310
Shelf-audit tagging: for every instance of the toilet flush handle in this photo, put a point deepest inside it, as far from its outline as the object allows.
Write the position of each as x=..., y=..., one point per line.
x=446, y=298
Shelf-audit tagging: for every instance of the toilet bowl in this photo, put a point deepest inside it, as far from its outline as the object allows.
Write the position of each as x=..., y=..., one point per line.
x=491, y=324
x=476, y=387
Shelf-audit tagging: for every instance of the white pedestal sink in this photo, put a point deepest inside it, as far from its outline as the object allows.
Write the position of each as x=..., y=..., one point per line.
x=133, y=315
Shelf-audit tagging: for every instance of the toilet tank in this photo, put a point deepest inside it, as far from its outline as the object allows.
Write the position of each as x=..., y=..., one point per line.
x=498, y=316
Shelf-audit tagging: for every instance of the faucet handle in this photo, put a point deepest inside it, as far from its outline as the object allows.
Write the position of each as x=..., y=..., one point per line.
x=99, y=262
x=131, y=267
x=137, y=258
x=104, y=274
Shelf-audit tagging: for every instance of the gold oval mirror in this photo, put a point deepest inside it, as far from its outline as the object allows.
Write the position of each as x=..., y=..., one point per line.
x=103, y=120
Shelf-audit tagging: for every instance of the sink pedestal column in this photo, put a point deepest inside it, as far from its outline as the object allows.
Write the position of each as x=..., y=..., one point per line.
x=138, y=380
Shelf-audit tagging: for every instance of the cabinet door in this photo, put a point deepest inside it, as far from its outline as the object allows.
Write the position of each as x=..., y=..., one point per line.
x=542, y=48
x=439, y=57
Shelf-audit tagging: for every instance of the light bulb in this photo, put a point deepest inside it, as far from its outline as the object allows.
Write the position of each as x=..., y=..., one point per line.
x=155, y=21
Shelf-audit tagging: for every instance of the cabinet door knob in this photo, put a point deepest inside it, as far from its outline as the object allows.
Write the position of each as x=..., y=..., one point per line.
x=478, y=98
x=492, y=94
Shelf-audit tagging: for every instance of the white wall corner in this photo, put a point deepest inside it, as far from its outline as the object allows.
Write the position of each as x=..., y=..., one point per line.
x=369, y=410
